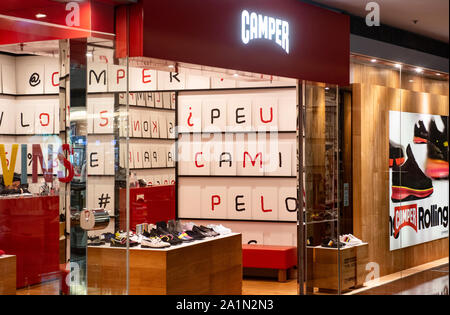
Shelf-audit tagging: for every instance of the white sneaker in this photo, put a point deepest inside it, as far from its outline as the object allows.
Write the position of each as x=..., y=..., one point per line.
x=153, y=243
x=350, y=239
x=220, y=229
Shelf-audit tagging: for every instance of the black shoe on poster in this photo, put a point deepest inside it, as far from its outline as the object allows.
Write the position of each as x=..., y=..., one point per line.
x=409, y=182
x=396, y=155
x=437, y=159
x=420, y=133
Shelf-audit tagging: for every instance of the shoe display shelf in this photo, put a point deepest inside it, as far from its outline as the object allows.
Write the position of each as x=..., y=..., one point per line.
x=203, y=267
x=324, y=264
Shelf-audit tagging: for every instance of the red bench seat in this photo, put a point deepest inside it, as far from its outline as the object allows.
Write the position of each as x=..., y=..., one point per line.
x=281, y=258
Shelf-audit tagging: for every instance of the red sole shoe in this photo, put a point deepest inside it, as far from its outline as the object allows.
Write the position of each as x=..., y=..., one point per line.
x=400, y=194
x=437, y=169
x=418, y=140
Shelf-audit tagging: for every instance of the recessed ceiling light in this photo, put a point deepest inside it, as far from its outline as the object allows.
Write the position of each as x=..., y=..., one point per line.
x=327, y=88
x=411, y=81
x=235, y=75
x=397, y=65
x=419, y=70
x=41, y=15
x=89, y=54
x=438, y=74
x=373, y=60
x=171, y=66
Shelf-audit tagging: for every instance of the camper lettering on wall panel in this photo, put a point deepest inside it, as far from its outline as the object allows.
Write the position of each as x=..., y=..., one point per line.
x=239, y=203
x=171, y=80
x=51, y=78
x=140, y=99
x=7, y=117
x=173, y=100
x=157, y=180
x=190, y=115
x=165, y=180
x=149, y=99
x=103, y=116
x=96, y=158
x=287, y=204
x=265, y=203
x=132, y=99
x=136, y=124
x=146, y=124
x=214, y=202
x=138, y=155
x=158, y=100
x=171, y=126
x=170, y=160
x=104, y=197
x=214, y=115
x=200, y=162
x=117, y=78
x=279, y=159
x=131, y=157
x=154, y=125
x=29, y=78
x=122, y=99
x=143, y=79
x=251, y=159
x=44, y=115
x=265, y=114
x=239, y=115
x=224, y=161
x=25, y=119
x=97, y=77
x=146, y=156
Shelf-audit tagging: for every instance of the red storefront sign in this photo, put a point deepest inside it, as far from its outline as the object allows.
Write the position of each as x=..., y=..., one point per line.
x=283, y=37
x=38, y=20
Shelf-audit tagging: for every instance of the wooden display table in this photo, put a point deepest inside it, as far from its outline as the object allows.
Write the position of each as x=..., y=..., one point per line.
x=210, y=266
x=7, y=275
x=325, y=267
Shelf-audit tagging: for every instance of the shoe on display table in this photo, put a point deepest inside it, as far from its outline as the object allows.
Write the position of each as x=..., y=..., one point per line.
x=350, y=240
x=153, y=243
x=220, y=229
x=2, y=253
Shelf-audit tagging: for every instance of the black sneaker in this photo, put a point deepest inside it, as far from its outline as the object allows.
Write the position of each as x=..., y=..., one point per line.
x=437, y=160
x=209, y=231
x=195, y=234
x=161, y=228
x=95, y=241
x=420, y=133
x=396, y=155
x=409, y=182
x=333, y=243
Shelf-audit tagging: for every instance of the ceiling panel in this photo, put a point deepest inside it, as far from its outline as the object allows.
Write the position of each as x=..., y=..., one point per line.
x=432, y=15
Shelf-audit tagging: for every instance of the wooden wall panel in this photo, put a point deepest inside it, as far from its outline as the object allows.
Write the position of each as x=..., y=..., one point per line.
x=370, y=119
x=390, y=77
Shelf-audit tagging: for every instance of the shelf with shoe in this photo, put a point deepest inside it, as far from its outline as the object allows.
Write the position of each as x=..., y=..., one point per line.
x=164, y=269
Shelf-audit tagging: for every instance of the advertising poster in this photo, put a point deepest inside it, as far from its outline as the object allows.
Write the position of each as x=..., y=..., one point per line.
x=418, y=178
